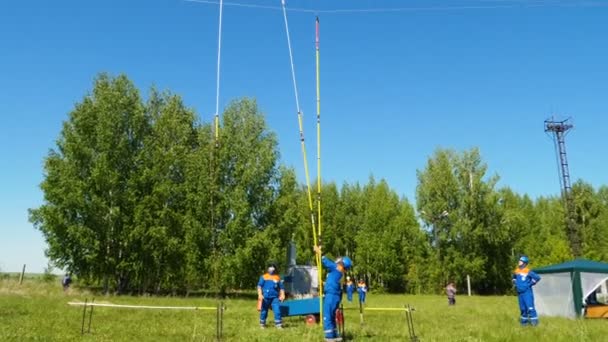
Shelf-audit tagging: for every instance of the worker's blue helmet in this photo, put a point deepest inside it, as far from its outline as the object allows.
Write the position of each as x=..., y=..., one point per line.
x=524, y=259
x=348, y=264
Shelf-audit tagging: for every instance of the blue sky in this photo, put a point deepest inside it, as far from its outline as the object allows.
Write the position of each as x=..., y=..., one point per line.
x=395, y=85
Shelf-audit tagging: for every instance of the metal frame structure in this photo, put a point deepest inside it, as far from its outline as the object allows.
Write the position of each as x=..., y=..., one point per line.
x=559, y=130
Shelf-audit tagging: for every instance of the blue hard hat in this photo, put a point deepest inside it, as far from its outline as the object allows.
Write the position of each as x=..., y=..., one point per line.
x=347, y=262
x=524, y=259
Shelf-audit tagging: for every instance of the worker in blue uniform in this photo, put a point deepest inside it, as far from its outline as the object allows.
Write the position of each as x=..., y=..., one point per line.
x=66, y=282
x=524, y=279
x=271, y=292
x=350, y=289
x=362, y=290
x=333, y=292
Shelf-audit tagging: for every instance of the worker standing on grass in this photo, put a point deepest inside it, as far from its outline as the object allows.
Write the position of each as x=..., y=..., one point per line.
x=450, y=290
x=333, y=293
x=524, y=280
x=66, y=282
x=271, y=292
x=362, y=290
x=350, y=289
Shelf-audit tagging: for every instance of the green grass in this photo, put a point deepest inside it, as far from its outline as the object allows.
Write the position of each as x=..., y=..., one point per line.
x=39, y=311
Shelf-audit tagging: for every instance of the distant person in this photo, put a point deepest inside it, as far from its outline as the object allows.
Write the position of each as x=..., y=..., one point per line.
x=333, y=293
x=270, y=293
x=66, y=282
x=350, y=289
x=524, y=279
x=362, y=290
x=450, y=290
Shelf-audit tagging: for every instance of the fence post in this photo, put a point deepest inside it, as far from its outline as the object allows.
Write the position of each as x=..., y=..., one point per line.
x=360, y=313
x=84, y=315
x=221, y=320
x=22, y=274
x=218, y=321
x=469, y=284
x=91, y=315
x=343, y=332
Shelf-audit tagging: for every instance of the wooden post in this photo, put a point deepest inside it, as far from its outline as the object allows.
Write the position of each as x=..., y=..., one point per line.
x=91, y=315
x=342, y=323
x=410, y=323
x=218, y=322
x=22, y=274
x=84, y=315
x=221, y=320
x=469, y=284
x=360, y=312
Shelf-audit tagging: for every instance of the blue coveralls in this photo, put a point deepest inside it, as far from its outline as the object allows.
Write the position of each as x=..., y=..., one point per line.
x=350, y=289
x=271, y=286
x=524, y=279
x=333, y=297
x=67, y=280
x=362, y=290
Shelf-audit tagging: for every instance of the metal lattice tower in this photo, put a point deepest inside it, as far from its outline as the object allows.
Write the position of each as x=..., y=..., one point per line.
x=559, y=130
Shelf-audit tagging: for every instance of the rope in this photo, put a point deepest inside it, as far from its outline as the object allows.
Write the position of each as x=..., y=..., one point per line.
x=144, y=306
x=303, y=145
x=386, y=309
x=293, y=71
x=301, y=126
x=380, y=309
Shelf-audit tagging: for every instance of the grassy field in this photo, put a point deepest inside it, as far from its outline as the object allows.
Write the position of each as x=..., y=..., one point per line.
x=39, y=311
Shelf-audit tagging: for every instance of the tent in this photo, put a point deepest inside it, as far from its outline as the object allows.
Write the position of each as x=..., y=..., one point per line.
x=563, y=287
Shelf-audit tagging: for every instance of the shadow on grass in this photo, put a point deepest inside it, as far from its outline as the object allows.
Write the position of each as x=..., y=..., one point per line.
x=348, y=336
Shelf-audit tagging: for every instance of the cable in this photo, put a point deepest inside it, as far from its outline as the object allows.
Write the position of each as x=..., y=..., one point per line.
x=319, y=184
x=238, y=4
x=217, y=82
x=505, y=4
x=318, y=63
x=293, y=71
x=215, y=136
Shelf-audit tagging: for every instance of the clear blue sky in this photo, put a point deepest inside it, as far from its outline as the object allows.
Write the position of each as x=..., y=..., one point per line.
x=395, y=86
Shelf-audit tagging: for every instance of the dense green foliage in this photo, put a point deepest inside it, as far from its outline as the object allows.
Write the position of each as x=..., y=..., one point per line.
x=140, y=198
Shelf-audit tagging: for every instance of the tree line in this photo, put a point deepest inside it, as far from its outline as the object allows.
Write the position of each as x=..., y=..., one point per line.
x=140, y=197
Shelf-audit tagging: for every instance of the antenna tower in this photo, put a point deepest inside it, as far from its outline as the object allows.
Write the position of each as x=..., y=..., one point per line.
x=558, y=130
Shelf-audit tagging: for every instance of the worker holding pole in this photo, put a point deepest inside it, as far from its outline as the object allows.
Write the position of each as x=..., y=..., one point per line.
x=333, y=292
